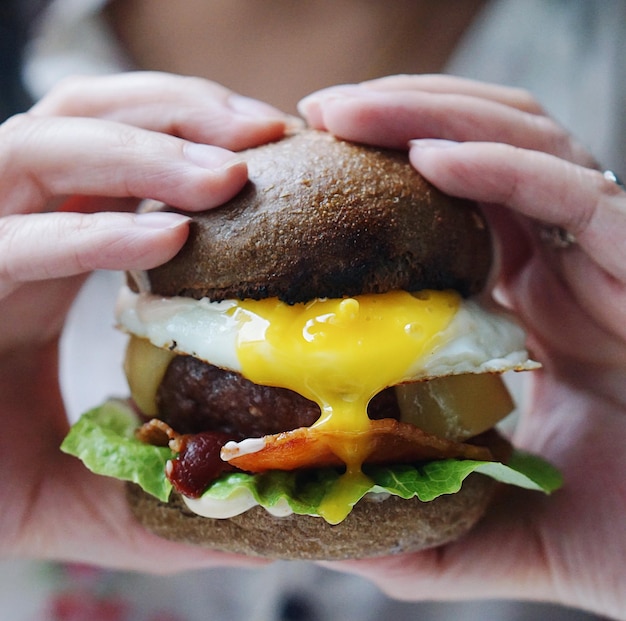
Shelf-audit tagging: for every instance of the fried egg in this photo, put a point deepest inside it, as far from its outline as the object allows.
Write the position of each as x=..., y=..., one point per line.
x=351, y=347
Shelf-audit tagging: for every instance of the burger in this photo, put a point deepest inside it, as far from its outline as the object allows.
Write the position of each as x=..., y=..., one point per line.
x=318, y=373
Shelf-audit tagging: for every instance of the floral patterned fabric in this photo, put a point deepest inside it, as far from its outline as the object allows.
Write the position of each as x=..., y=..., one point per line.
x=284, y=591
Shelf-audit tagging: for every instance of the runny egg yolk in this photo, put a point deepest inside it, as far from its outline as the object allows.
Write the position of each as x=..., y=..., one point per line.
x=339, y=353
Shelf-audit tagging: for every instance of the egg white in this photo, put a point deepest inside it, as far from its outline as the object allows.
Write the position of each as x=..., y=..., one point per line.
x=477, y=340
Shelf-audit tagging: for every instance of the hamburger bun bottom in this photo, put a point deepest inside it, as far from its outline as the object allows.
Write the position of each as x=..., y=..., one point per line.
x=373, y=528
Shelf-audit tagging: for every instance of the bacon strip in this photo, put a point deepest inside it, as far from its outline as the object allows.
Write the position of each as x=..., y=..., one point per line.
x=197, y=463
x=388, y=442
x=156, y=432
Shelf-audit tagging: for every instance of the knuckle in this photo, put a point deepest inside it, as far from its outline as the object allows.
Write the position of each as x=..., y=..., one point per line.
x=16, y=133
x=14, y=127
x=69, y=84
x=8, y=241
x=203, y=85
x=556, y=140
x=61, y=97
x=527, y=101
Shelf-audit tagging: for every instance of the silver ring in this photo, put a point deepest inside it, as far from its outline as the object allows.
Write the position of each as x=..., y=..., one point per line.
x=611, y=176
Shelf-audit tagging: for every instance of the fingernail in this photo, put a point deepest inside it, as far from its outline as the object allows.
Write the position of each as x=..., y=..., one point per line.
x=253, y=108
x=207, y=156
x=294, y=124
x=160, y=220
x=310, y=105
x=432, y=143
x=334, y=92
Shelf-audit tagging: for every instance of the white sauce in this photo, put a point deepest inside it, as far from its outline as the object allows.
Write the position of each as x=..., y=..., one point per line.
x=245, y=447
x=243, y=500
x=238, y=503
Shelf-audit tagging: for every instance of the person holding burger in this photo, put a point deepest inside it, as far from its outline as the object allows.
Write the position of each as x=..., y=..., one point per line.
x=560, y=290
x=557, y=219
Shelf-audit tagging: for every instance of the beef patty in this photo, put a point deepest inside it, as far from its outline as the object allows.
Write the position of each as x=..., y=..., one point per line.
x=195, y=396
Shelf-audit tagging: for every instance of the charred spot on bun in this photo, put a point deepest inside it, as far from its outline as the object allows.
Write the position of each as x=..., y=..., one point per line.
x=314, y=375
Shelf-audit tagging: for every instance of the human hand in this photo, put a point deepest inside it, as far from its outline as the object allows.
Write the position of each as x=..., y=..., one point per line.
x=104, y=143
x=497, y=146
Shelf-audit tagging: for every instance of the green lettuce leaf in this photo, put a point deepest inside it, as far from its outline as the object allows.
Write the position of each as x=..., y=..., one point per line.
x=304, y=491
x=104, y=440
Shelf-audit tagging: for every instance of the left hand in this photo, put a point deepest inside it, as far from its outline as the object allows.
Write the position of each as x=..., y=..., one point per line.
x=496, y=145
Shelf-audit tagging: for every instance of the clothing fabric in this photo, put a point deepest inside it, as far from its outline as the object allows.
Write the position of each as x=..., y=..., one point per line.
x=569, y=53
x=71, y=38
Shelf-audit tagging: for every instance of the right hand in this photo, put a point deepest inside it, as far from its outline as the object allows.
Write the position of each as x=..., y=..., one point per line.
x=496, y=145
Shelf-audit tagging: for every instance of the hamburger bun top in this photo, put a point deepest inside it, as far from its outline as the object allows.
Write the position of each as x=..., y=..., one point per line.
x=322, y=217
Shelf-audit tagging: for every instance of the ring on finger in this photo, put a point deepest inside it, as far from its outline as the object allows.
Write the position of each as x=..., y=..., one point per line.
x=556, y=237
x=611, y=176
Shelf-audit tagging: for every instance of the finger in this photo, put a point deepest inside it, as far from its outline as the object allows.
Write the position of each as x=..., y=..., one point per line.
x=427, y=83
x=558, y=290
x=392, y=118
x=57, y=245
x=94, y=523
x=517, y=98
x=540, y=186
x=45, y=157
x=188, y=107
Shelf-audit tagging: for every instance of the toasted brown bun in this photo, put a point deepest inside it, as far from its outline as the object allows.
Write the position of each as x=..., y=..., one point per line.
x=379, y=528
x=322, y=217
